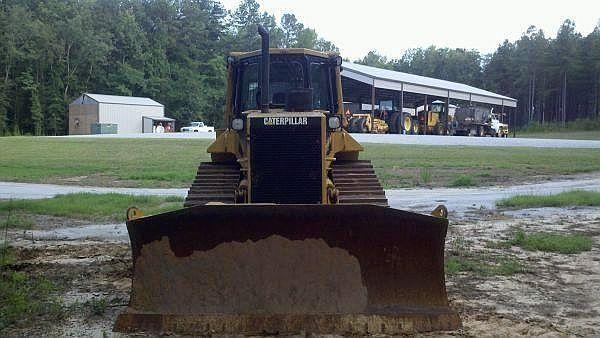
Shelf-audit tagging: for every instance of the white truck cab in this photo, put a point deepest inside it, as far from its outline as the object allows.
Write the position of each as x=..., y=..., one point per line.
x=197, y=127
x=501, y=129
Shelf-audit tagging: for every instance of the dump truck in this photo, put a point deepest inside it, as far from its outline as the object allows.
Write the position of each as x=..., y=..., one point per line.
x=285, y=230
x=477, y=121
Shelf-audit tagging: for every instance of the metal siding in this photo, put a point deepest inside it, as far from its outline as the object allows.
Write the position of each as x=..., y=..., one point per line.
x=127, y=117
x=358, y=77
x=424, y=90
x=459, y=96
x=484, y=99
x=388, y=84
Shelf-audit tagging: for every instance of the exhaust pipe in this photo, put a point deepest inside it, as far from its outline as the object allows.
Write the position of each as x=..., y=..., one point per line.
x=264, y=64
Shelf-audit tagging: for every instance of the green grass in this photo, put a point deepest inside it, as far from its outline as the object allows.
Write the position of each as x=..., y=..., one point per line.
x=460, y=258
x=94, y=207
x=580, y=129
x=547, y=242
x=425, y=176
x=173, y=162
x=463, y=181
x=565, y=199
x=593, y=135
x=105, y=162
x=23, y=299
x=399, y=165
x=570, y=126
x=97, y=306
x=15, y=220
x=7, y=255
x=502, y=266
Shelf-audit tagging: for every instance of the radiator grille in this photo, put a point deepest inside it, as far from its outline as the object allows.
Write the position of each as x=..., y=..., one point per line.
x=285, y=162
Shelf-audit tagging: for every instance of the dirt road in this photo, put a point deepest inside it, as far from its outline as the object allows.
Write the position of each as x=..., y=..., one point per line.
x=551, y=294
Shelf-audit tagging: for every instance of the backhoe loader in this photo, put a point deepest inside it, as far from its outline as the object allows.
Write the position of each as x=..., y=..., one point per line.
x=285, y=231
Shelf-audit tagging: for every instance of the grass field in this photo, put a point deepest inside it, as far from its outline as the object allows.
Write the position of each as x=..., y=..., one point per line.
x=407, y=166
x=560, y=243
x=173, y=162
x=566, y=135
x=101, y=162
x=565, y=199
x=85, y=206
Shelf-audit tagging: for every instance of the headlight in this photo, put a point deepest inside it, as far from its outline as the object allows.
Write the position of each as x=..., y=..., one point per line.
x=333, y=122
x=237, y=124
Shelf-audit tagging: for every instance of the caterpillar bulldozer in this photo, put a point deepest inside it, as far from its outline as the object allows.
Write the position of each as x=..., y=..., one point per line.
x=285, y=230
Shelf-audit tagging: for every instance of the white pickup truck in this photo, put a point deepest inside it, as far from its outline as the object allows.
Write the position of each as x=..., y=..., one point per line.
x=197, y=127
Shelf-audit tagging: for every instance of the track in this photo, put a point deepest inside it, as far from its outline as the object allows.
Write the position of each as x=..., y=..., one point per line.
x=357, y=183
x=215, y=182
x=355, y=180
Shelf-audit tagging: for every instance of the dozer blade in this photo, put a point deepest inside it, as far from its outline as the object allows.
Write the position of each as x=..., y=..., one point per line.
x=285, y=269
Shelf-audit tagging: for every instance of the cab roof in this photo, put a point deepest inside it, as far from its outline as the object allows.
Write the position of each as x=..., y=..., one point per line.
x=297, y=51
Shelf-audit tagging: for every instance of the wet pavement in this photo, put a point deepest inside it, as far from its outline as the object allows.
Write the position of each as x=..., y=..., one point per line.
x=461, y=200
x=16, y=190
x=457, y=200
x=474, y=141
x=400, y=139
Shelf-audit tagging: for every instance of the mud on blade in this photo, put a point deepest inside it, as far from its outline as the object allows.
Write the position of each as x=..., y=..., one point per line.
x=255, y=269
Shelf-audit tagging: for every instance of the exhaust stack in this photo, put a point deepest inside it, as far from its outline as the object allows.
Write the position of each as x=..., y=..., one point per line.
x=264, y=64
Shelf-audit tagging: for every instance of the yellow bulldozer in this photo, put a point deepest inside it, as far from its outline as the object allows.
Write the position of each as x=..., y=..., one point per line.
x=301, y=239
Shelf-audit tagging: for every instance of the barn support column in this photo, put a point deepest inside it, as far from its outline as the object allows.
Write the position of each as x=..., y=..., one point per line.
x=402, y=105
x=446, y=114
x=372, y=103
x=426, y=115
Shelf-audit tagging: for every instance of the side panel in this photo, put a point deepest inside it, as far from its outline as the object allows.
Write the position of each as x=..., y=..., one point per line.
x=128, y=117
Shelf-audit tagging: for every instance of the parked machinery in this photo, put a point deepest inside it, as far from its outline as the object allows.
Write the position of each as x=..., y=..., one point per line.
x=403, y=122
x=478, y=121
x=363, y=123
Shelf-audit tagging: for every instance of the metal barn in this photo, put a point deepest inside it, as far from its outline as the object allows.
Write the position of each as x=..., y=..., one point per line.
x=371, y=89
x=111, y=114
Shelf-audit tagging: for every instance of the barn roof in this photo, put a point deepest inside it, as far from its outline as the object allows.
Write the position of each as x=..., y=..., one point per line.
x=392, y=80
x=115, y=99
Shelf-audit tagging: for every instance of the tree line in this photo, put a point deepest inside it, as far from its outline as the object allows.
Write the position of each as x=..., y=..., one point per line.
x=174, y=51
x=554, y=79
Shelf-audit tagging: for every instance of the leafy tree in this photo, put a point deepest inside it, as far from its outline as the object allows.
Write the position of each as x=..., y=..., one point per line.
x=374, y=59
x=291, y=29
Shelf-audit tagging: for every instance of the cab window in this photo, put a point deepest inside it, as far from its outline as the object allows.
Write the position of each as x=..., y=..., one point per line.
x=319, y=80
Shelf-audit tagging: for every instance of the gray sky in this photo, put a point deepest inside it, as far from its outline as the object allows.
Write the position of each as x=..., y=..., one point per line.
x=391, y=27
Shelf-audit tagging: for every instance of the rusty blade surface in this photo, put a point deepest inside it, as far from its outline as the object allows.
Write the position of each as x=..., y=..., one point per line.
x=284, y=268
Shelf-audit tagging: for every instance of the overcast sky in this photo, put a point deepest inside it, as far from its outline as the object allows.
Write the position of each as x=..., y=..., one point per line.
x=391, y=27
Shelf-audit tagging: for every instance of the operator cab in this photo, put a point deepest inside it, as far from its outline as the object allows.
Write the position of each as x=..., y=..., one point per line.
x=299, y=80
x=437, y=106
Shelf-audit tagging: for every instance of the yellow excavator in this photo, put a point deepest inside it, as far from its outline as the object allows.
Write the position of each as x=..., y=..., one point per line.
x=301, y=238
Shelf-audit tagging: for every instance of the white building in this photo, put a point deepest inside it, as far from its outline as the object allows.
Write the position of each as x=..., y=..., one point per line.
x=110, y=114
